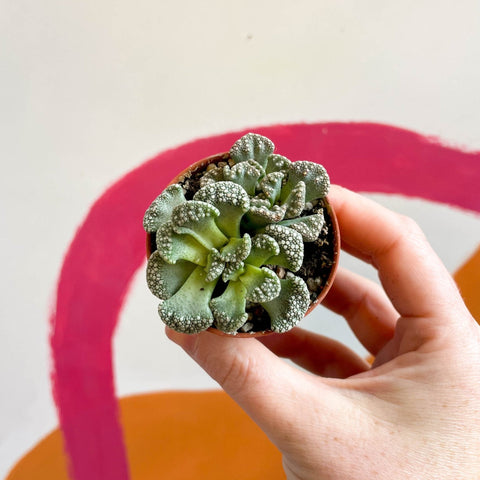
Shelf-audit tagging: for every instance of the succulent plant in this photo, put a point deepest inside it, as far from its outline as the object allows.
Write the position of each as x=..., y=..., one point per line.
x=216, y=254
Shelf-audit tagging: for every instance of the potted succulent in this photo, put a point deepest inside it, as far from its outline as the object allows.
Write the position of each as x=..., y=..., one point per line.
x=242, y=243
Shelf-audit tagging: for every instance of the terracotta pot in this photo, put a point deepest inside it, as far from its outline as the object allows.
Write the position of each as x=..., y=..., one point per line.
x=331, y=218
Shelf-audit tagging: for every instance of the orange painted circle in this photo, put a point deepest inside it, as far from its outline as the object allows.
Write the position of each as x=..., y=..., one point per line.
x=467, y=278
x=172, y=435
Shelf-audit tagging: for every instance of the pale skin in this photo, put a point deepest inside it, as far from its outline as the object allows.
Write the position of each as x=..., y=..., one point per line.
x=414, y=414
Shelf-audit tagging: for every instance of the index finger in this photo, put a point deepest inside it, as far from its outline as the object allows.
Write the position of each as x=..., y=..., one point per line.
x=414, y=278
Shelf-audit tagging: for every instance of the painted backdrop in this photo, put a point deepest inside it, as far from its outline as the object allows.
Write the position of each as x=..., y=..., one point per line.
x=91, y=92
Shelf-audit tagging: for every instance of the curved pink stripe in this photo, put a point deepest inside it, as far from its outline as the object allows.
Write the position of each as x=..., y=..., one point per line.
x=108, y=248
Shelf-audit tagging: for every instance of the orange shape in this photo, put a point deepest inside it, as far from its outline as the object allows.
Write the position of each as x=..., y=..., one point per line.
x=174, y=435
x=468, y=281
x=195, y=435
x=45, y=461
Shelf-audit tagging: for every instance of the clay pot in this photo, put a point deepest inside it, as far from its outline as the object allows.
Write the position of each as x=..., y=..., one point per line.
x=330, y=218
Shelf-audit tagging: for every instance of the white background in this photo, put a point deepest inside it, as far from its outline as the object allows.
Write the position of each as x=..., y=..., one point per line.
x=89, y=89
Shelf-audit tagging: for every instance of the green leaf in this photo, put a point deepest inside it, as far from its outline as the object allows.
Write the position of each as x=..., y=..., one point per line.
x=229, y=308
x=290, y=306
x=164, y=279
x=261, y=283
x=260, y=201
x=258, y=217
x=314, y=175
x=237, y=249
x=188, y=311
x=174, y=246
x=271, y=186
x=263, y=248
x=214, y=174
x=277, y=163
x=246, y=174
x=295, y=202
x=252, y=147
x=231, y=200
x=291, y=247
x=309, y=226
x=160, y=210
x=197, y=219
x=233, y=270
x=215, y=265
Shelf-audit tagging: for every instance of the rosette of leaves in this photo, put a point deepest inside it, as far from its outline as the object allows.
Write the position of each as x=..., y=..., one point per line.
x=216, y=254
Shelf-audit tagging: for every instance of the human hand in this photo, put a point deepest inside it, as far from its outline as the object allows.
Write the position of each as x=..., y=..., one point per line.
x=414, y=414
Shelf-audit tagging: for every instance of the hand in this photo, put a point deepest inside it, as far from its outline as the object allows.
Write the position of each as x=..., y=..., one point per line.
x=414, y=414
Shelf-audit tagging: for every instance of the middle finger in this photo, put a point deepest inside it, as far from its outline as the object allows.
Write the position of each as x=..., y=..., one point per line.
x=366, y=308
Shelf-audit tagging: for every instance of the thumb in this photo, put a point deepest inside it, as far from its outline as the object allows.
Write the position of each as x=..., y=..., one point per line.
x=266, y=387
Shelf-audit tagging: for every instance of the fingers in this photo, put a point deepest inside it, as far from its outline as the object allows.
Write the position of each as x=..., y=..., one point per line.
x=242, y=367
x=413, y=277
x=366, y=308
x=265, y=386
x=317, y=354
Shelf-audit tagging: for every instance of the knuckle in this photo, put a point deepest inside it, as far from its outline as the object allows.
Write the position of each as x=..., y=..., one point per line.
x=237, y=374
x=410, y=227
x=405, y=233
x=235, y=367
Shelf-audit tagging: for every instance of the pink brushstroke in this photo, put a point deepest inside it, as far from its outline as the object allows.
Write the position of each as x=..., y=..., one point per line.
x=108, y=248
